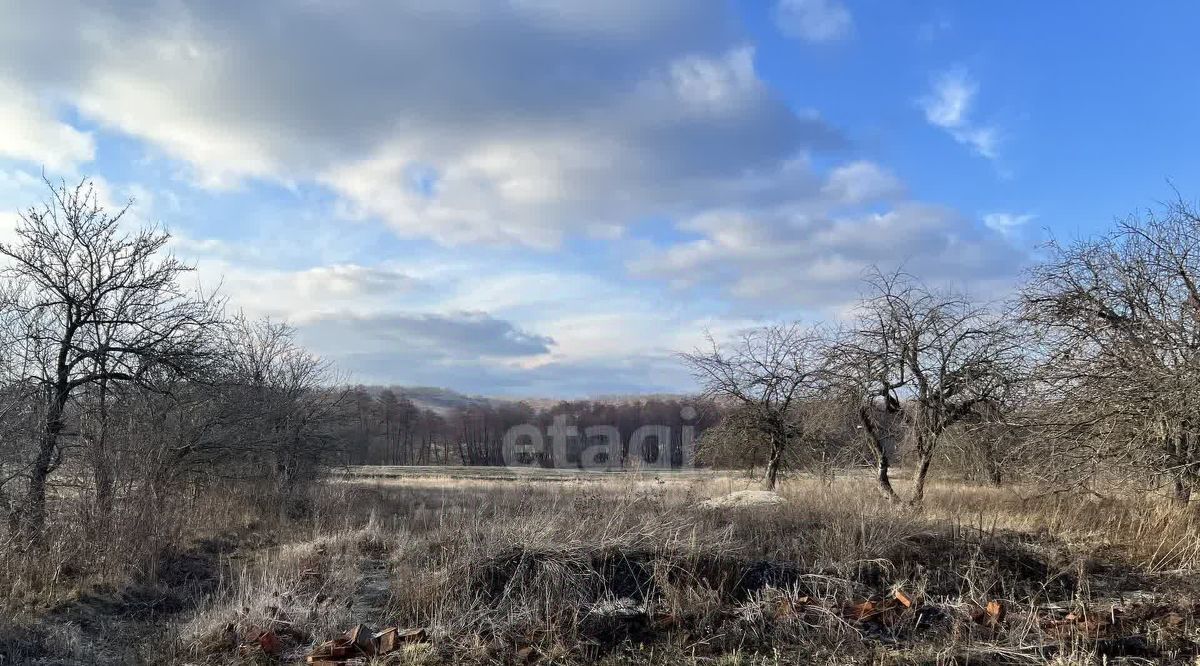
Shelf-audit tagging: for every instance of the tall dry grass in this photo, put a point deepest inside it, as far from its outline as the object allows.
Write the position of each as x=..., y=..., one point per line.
x=613, y=569
x=635, y=570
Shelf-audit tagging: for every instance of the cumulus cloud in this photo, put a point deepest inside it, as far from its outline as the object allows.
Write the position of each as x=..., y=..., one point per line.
x=862, y=182
x=948, y=107
x=809, y=252
x=301, y=294
x=481, y=124
x=473, y=352
x=814, y=20
x=29, y=131
x=451, y=122
x=816, y=261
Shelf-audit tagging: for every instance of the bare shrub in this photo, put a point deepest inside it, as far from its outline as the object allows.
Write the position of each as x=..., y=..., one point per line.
x=89, y=307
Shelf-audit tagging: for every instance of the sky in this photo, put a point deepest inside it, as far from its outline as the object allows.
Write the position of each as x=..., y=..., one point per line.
x=552, y=198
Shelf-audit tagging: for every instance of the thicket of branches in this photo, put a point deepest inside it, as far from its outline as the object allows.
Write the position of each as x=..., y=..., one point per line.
x=128, y=401
x=1089, y=376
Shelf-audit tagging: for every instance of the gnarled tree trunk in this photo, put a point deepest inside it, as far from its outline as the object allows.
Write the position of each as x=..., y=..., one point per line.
x=34, y=510
x=773, y=462
x=923, y=462
x=879, y=450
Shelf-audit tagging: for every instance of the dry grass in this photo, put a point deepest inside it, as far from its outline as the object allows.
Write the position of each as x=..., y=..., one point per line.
x=634, y=570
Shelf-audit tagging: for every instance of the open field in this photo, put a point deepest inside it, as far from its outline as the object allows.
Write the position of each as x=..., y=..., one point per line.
x=464, y=472
x=634, y=569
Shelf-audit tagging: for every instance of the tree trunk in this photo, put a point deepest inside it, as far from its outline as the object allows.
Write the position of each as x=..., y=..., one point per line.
x=879, y=450
x=882, y=479
x=924, y=460
x=1183, y=493
x=102, y=474
x=101, y=466
x=1177, y=449
x=773, y=463
x=995, y=476
x=34, y=521
x=991, y=466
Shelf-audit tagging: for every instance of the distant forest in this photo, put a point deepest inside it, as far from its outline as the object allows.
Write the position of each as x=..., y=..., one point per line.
x=422, y=426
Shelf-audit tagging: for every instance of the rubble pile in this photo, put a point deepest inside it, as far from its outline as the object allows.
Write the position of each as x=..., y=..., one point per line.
x=360, y=642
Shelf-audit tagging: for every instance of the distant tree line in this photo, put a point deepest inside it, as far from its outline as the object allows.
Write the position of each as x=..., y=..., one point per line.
x=389, y=428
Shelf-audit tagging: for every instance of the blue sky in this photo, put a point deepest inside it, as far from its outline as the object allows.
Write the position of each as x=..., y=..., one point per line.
x=552, y=197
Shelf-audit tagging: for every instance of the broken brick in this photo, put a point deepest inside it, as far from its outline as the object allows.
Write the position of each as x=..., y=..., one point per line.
x=862, y=611
x=361, y=642
x=996, y=610
x=361, y=638
x=269, y=642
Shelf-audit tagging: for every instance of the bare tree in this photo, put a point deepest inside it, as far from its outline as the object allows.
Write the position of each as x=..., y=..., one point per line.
x=92, y=305
x=918, y=361
x=1119, y=318
x=763, y=375
x=282, y=403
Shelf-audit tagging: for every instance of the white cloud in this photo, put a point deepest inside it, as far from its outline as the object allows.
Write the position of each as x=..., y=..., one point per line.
x=950, y=100
x=30, y=132
x=522, y=331
x=814, y=20
x=19, y=190
x=468, y=336
x=465, y=123
x=590, y=317
x=816, y=261
x=948, y=107
x=1006, y=223
x=983, y=140
x=303, y=294
x=676, y=140
x=8, y=227
x=720, y=84
x=480, y=124
x=861, y=182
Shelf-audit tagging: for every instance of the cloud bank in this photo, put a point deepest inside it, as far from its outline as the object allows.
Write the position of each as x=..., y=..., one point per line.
x=565, y=187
